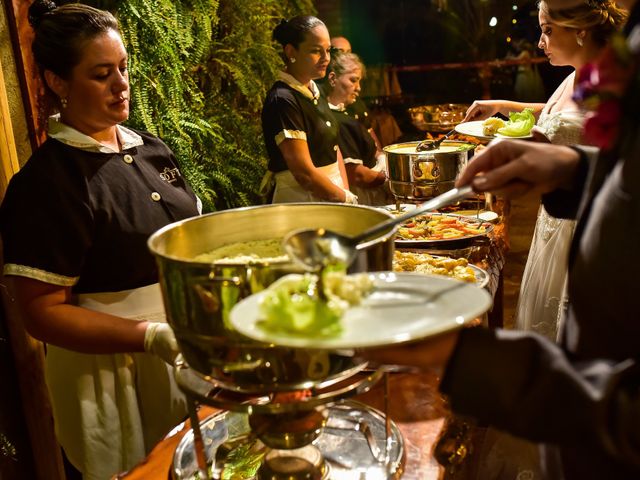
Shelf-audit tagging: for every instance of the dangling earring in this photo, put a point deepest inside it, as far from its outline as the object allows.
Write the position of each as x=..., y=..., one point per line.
x=580, y=41
x=64, y=102
x=292, y=60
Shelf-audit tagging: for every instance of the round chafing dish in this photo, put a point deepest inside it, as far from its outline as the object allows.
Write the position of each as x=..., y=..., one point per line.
x=199, y=296
x=437, y=118
x=416, y=176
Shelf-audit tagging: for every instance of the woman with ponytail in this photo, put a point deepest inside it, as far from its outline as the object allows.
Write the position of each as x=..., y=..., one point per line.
x=300, y=133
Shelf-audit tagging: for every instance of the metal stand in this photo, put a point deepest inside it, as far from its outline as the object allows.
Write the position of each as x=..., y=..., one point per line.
x=353, y=436
x=198, y=444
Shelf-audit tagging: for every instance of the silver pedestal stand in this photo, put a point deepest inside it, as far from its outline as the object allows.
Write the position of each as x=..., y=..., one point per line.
x=354, y=441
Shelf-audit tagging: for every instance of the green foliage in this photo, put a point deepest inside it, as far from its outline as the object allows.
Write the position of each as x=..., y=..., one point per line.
x=199, y=72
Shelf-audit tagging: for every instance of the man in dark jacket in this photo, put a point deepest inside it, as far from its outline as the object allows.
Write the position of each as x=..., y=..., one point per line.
x=582, y=398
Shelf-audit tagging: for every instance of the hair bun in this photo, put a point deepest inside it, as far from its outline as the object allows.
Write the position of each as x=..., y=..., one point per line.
x=279, y=32
x=38, y=10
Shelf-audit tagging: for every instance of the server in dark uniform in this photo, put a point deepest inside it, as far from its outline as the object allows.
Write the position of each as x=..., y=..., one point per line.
x=364, y=162
x=74, y=224
x=358, y=109
x=300, y=132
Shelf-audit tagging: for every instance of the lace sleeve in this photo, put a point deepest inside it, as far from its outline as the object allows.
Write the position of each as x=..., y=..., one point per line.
x=562, y=128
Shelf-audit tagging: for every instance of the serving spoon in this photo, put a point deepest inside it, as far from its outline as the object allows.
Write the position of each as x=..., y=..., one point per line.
x=427, y=145
x=317, y=248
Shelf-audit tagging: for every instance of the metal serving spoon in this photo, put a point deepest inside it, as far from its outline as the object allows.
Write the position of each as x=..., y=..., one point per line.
x=427, y=145
x=316, y=248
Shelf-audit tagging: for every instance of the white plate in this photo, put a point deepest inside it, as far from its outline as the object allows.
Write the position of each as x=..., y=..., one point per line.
x=485, y=215
x=403, y=306
x=474, y=129
x=482, y=277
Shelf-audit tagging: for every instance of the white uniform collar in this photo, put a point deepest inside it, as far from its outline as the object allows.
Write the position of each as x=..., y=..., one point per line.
x=339, y=107
x=312, y=92
x=72, y=137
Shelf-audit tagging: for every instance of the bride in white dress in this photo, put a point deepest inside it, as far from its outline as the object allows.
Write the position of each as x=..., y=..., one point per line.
x=574, y=39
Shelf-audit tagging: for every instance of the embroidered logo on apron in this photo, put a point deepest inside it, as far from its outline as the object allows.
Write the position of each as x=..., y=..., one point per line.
x=170, y=174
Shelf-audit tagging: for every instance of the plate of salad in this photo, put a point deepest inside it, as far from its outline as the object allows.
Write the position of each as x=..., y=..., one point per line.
x=519, y=125
x=358, y=311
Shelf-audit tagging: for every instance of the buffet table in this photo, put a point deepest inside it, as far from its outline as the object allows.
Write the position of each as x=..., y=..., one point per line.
x=419, y=411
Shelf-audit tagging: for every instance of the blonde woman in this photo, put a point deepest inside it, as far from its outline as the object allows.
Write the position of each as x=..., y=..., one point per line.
x=364, y=162
x=573, y=38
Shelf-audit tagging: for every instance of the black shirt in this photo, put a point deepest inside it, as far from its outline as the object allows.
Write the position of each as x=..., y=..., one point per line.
x=77, y=218
x=287, y=113
x=356, y=144
x=360, y=112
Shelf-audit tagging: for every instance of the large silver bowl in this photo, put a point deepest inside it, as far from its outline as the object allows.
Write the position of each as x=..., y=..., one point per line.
x=437, y=118
x=198, y=296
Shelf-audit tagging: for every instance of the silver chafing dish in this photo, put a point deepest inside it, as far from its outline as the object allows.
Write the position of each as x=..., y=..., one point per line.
x=199, y=296
x=416, y=176
x=317, y=432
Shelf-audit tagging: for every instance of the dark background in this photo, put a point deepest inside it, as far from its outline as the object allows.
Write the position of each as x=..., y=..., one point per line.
x=405, y=33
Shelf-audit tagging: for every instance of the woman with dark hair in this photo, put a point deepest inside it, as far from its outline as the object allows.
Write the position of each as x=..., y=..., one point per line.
x=364, y=163
x=74, y=224
x=299, y=130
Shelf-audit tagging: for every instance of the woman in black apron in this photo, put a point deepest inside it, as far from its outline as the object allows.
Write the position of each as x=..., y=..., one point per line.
x=74, y=224
x=300, y=133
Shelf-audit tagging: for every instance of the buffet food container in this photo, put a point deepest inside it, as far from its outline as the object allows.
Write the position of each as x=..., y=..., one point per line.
x=416, y=176
x=437, y=118
x=199, y=296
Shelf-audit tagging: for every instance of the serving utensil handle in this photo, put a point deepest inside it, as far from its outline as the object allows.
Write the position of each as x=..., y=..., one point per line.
x=440, y=201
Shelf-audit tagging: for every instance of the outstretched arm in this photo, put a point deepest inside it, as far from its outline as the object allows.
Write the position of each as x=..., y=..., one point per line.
x=522, y=383
x=513, y=168
x=483, y=109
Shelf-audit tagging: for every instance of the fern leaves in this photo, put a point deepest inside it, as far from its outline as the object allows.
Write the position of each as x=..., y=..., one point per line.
x=199, y=72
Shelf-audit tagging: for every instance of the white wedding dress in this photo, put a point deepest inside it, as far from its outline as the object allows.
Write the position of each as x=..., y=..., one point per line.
x=543, y=289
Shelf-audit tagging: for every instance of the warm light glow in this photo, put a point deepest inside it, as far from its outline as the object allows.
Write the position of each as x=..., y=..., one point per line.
x=493, y=22
x=514, y=7
x=508, y=39
x=514, y=21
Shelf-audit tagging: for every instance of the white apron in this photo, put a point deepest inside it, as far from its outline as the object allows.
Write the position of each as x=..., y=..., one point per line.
x=288, y=190
x=111, y=409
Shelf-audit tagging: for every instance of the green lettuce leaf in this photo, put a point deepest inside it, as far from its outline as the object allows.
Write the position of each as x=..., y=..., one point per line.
x=519, y=124
x=293, y=306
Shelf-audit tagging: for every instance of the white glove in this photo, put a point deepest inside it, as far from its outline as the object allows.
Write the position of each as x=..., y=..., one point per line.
x=160, y=341
x=350, y=198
